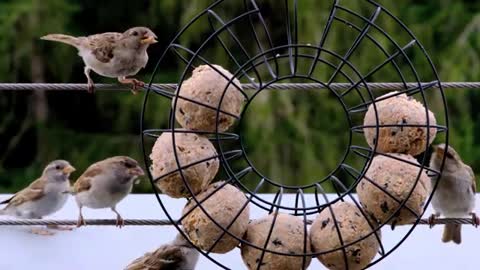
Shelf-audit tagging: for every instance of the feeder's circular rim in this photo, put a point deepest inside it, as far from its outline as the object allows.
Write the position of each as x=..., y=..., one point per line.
x=256, y=11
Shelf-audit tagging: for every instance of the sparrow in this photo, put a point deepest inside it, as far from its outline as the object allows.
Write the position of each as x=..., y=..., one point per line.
x=177, y=255
x=105, y=183
x=455, y=193
x=42, y=197
x=111, y=54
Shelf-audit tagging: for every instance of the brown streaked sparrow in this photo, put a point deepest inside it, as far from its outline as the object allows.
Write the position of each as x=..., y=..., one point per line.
x=455, y=193
x=177, y=255
x=105, y=183
x=42, y=197
x=111, y=54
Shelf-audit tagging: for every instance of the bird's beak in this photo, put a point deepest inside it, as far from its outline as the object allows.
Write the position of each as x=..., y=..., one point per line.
x=68, y=170
x=148, y=40
x=137, y=171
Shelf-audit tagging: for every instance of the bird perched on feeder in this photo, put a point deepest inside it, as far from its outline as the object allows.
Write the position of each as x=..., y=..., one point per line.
x=42, y=197
x=455, y=193
x=111, y=54
x=105, y=183
x=177, y=255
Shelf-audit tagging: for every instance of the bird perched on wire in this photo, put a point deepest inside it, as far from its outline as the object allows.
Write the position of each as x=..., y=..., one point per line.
x=105, y=183
x=42, y=197
x=177, y=255
x=455, y=193
x=114, y=55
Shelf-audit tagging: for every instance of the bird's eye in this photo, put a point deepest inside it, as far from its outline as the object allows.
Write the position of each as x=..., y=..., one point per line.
x=57, y=167
x=129, y=165
x=135, y=33
x=449, y=155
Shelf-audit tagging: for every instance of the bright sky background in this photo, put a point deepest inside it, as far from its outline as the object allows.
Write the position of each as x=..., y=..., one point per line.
x=104, y=247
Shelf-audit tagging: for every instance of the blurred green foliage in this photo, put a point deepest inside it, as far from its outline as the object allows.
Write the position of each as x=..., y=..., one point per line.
x=295, y=137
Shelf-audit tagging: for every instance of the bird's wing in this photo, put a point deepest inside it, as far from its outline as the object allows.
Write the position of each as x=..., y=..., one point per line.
x=166, y=257
x=103, y=45
x=33, y=192
x=171, y=257
x=472, y=176
x=84, y=182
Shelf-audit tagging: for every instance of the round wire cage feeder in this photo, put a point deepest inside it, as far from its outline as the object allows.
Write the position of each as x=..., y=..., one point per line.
x=261, y=53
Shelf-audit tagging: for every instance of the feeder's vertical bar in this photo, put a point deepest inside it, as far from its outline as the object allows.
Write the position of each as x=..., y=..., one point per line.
x=333, y=10
x=289, y=38
x=274, y=74
x=279, y=196
x=295, y=35
x=305, y=230
x=339, y=234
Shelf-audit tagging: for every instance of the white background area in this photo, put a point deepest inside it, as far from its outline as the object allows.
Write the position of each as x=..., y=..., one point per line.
x=110, y=248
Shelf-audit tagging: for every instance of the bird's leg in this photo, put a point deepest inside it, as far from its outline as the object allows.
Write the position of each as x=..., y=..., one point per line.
x=81, y=221
x=120, y=221
x=475, y=219
x=431, y=219
x=134, y=82
x=59, y=228
x=91, y=86
x=39, y=231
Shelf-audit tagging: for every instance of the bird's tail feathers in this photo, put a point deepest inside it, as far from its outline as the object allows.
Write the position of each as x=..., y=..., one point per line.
x=7, y=201
x=452, y=232
x=70, y=40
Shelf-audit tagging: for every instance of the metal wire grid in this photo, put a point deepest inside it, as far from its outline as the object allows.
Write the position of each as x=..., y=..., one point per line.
x=270, y=57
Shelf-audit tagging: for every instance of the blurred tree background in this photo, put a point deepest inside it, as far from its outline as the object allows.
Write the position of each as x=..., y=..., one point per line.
x=295, y=137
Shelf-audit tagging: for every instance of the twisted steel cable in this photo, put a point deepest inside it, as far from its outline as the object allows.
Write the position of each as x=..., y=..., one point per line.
x=165, y=222
x=248, y=86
